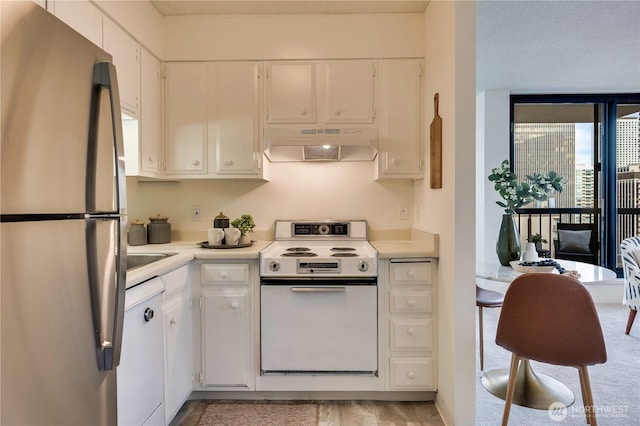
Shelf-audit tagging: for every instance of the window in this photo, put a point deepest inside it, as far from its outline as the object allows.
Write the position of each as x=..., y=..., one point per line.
x=592, y=140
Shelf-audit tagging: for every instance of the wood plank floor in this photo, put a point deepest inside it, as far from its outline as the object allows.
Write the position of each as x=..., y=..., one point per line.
x=344, y=413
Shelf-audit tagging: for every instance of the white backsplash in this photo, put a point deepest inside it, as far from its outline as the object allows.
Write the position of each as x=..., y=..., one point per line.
x=295, y=191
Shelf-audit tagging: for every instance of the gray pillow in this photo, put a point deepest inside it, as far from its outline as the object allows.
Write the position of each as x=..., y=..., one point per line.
x=574, y=241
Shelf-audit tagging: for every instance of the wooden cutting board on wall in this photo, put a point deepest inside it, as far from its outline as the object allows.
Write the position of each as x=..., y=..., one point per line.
x=435, y=156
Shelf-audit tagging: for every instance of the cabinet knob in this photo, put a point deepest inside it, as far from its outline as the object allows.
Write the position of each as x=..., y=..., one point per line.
x=337, y=112
x=147, y=315
x=224, y=275
x=411, y=331
x=411, y=374
x=228, y=162
x=304, y=111
x=395, y=162
x=195, y=163
x=173, y=321
x=234, y=305
x=410, y=302
x=411, y=274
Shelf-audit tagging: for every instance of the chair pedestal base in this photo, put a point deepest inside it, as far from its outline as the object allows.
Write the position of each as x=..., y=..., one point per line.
x=532, y=390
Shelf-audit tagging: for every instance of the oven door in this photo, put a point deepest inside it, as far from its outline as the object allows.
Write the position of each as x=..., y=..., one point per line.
x=319, y=326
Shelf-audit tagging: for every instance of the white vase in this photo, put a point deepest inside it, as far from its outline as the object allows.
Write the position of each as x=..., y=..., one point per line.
x=551, y=203
x=530, y=254
x=245, y=240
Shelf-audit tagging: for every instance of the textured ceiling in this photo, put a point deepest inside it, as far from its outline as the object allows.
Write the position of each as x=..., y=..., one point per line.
x=558, y=46
x=277, y=7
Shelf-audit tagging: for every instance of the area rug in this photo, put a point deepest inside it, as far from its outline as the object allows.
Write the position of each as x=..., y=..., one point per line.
x=260, y=413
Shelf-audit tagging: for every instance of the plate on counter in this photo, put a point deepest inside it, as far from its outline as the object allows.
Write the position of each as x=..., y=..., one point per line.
x=515, y=264
x=205, y=244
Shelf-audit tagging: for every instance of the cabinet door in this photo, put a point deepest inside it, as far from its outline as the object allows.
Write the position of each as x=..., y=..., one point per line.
x=186, y=115
x=291, y=92
x=400, y=135
x=178, y=361
x=150, y=116
x=82, y=16
x=349, y=91
x=234, y=112
x=126, y=58
x=227, y=335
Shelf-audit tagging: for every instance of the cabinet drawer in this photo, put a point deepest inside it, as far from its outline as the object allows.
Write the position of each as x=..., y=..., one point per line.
x=410, y=373
x=175, y=281
x=411, y=334
x=410, y=301
x=225, y=273
x=411, y=273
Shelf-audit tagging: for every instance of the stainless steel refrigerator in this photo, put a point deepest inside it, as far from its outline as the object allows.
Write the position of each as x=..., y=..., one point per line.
x=63, y=222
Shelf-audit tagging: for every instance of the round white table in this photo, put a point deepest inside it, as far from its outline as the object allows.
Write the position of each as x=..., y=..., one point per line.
x=534, y=390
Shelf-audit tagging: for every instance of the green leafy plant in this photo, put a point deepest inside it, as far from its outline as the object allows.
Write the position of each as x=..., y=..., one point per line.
x=537, y=238
x=516, y=194
x=244, y=223
x=543, y=186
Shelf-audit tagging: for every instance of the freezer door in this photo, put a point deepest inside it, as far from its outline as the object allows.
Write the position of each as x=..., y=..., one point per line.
x=50, y=373
x=47, y=91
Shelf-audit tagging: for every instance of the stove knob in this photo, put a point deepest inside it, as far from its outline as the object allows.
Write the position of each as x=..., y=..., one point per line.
x=363, y=266
x=274, y=266
x=323, y=229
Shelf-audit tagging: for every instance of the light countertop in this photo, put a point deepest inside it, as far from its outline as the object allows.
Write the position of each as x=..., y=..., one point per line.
x=185, y=251
x=403, y=248
x=421, y=244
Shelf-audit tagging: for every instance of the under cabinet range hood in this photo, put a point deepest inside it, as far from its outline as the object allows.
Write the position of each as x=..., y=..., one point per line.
x=321, y=144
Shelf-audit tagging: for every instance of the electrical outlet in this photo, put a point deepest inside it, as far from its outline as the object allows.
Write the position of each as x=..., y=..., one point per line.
x=403, y=211
x=195, y=213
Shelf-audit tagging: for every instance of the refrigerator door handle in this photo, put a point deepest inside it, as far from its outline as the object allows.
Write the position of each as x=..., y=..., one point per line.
x=106, y=261
x=107, y=269
x=104, y=77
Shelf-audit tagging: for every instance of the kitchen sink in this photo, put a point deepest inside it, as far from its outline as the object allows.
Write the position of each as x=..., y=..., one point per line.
x=136, y=260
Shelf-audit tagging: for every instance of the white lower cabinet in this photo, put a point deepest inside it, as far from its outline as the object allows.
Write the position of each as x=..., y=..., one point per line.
x=178, y=342
x=227, y=332
x=410, y=317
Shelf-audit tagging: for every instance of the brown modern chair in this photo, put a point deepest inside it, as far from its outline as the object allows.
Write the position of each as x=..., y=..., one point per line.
x=486, y=299
x=551, y=318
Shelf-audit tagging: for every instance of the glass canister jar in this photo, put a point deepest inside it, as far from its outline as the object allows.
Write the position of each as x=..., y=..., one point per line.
x=137, y=235
x=159, y=230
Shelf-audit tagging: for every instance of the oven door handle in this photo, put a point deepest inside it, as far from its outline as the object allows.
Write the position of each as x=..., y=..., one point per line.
x=318, y=289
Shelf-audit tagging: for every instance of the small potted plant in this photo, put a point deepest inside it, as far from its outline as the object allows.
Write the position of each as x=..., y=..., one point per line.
x=245, y=224
x=537, y=240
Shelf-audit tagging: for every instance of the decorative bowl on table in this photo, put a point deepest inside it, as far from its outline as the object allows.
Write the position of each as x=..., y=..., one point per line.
x=540, y=266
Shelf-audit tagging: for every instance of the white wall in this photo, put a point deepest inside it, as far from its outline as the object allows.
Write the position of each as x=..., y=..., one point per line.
x=493, y=147
x=294, y=37
x=450, y=211
x=138, y=18
x=295, y=191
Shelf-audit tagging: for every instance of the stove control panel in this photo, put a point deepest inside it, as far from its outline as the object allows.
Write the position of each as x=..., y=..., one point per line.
x=332, y=229
x=306, y=267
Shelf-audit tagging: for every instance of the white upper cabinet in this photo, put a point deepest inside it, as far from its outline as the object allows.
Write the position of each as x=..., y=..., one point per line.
x=349, y=91
x=400, y=131
x=234, y=118
x=82, y=16
x=213, y=125
x=291, y=92
x=186, y=118
x=150, y=116
x=337, y=91
x=126, y=57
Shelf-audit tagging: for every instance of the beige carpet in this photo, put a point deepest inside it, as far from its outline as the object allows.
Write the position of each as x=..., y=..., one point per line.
x=260, y=413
